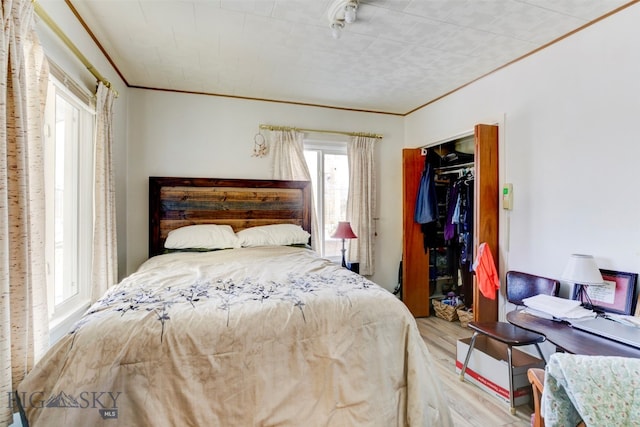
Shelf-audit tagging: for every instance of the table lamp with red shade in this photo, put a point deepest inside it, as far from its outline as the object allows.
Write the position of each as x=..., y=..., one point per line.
x=344, y=232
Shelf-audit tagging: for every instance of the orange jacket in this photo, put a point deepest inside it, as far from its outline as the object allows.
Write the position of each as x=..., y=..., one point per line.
x=486, y=273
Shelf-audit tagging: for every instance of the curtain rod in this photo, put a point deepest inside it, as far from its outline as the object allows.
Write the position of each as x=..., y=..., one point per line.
x=67, y=41
x=368, y=135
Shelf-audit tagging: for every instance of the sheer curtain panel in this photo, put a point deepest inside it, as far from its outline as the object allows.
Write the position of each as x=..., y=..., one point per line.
x=105, y=246
x=361, y=201
x=287, y=152
x=24, y=329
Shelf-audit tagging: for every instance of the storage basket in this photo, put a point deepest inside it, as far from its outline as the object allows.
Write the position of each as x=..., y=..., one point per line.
x=446, y=311
x=464, y=316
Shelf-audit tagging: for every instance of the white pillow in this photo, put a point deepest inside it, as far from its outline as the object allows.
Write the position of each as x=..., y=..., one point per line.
x=202, y=236
x=275, y=234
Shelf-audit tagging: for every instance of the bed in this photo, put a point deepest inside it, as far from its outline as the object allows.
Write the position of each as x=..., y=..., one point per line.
x=264, y=333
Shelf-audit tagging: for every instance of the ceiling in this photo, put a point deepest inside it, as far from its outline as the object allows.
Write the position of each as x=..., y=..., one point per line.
x=397, y=56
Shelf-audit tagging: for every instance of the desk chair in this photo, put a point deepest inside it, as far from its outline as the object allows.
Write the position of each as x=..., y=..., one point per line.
x=518, y=286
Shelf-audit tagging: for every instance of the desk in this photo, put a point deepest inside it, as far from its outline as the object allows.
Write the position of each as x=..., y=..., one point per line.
x=571, y=340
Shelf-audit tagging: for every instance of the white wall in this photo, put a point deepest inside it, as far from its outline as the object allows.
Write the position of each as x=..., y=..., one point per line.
x=569, y=145
x=62, y=56
x=173, y=134
x=161, y=133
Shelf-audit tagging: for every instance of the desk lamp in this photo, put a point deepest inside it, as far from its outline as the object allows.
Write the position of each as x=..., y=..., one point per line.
x=583, y=272
x=343, y=232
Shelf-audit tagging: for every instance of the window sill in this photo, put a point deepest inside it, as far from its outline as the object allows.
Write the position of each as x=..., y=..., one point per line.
x=58, y=327
x=335, y=259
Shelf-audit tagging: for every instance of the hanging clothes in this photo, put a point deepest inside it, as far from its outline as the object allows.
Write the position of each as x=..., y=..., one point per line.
x=426, y=211
x=486, y=273
x=465, y=220
x=426, y=202
x=452, y=202
x=465, y=240
x=459, y=218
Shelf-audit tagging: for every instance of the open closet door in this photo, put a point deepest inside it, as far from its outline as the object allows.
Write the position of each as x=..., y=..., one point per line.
x=415, y=260
x=422, y=278
x=486, y=212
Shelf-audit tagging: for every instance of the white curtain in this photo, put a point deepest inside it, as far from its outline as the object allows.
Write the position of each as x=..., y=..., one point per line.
x=24, y=329
x=288, y=156
x=361, y=202
x=287, y=153
x=105, y=246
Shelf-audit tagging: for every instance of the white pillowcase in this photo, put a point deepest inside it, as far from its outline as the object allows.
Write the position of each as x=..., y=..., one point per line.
x=202, y=236
x=275, y=234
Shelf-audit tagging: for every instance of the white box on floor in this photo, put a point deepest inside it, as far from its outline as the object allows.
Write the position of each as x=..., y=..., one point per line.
x=488, y=368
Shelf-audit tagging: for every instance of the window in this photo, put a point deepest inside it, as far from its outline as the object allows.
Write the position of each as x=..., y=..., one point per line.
x=68, y=138
x=329, y=169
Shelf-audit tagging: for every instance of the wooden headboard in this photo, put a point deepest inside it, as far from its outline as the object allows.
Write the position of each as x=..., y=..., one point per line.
x=240, y=203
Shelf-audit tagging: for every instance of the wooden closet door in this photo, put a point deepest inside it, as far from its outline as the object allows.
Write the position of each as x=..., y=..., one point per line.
x=415, y=261
x=486, y=212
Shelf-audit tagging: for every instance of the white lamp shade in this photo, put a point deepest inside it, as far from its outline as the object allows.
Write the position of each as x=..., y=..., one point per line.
x=583, y=270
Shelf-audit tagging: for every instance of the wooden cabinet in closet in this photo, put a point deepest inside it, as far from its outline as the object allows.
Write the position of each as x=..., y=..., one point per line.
x=415, y=260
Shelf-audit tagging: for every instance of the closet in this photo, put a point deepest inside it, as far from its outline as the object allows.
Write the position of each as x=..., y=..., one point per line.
x=437, y=256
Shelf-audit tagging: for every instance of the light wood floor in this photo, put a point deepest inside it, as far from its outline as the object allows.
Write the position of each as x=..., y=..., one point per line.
x=470, y=406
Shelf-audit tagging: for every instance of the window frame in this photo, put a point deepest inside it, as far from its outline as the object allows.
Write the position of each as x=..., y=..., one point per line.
x=66, y=312
x=335, y=147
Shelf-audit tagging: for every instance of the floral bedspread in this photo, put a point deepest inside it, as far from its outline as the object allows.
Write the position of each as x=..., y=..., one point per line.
x=599, y=390
x=241, y=337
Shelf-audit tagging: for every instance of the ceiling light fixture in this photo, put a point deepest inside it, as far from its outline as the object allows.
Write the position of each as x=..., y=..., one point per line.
x=341, y=12
x=336, y=29
x=350, y=12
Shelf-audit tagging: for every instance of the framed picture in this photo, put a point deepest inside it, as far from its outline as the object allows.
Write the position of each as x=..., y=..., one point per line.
x=616, y=295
